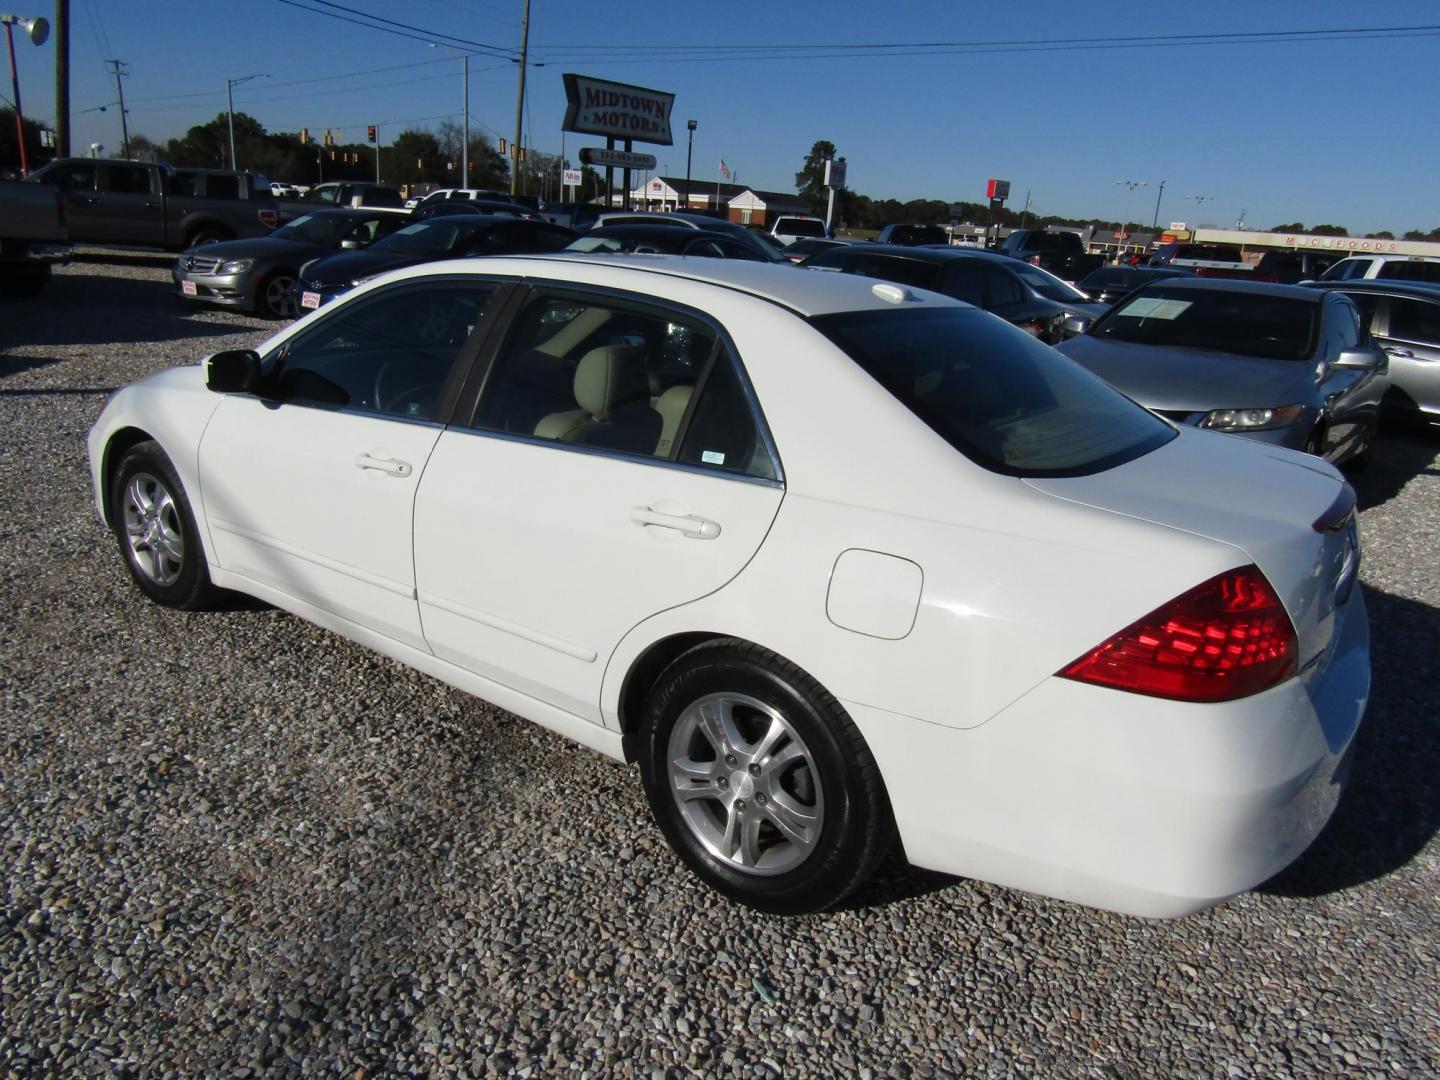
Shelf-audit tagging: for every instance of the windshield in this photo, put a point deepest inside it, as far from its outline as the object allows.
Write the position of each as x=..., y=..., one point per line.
x=1048, y=285
x=994, y=393
x=435, y=236
x=313, y=228
x=800, y=227
x=1249, y=324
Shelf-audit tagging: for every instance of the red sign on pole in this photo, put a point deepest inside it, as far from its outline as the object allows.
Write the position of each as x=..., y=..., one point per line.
x=997, y=189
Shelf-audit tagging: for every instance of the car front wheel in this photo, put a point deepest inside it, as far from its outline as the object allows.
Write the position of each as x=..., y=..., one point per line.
x=276, y=296
x=153, y=522
x=761, y=781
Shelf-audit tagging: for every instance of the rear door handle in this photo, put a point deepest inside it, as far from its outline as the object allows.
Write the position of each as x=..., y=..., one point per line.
x=389, y=466
x=697, y=528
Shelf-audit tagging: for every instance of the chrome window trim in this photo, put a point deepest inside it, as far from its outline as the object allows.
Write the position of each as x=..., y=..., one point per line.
x=622, y=455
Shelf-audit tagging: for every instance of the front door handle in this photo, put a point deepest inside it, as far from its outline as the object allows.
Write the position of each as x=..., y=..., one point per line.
x=389, y=466
x=1404, y=354
x=697, y=528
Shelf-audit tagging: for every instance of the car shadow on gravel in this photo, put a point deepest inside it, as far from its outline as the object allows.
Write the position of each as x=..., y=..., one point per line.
x=1403, y=452
x=87, y=309
x=153, y=259
x=1391, y=810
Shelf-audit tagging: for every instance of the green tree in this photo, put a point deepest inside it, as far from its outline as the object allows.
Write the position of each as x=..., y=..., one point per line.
x=1294, y=226
x=1329, y=230
x=810, y=180
x=35, y=154
x=1383, y=234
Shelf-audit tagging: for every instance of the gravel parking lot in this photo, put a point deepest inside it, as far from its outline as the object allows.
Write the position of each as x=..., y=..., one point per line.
x=235, y=844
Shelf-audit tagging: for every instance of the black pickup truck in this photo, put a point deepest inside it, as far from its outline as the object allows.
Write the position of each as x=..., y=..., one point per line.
x=1061, y=253
x=141, y=204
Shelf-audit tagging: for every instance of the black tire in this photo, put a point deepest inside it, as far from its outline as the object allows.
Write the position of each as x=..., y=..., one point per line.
x=275, y=296
x=830, y=776
x=155, y=528
x=203, y=236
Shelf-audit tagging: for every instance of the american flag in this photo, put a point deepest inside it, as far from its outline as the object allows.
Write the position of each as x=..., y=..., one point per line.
x=724, y=169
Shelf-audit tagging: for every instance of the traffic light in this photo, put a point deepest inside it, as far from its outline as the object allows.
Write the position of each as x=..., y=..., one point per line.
x=502, y=146
x=332, y=155
x=371, y=131
x=522, y=153
x=304, y=136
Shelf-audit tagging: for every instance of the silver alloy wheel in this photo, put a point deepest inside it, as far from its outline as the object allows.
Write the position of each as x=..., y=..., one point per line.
x=280, y=296
x=152, y=529
x=746, y=784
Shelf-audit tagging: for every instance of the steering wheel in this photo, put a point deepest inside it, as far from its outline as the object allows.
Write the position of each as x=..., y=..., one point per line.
x=417, y=394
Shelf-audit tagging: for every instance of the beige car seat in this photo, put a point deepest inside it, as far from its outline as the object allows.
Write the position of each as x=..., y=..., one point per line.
x=612, y=391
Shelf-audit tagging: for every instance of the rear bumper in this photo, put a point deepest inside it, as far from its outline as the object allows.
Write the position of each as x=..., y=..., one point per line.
x=1125, y=802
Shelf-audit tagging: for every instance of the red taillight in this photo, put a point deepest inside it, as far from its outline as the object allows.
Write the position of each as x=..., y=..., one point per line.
x=1225, y=639
x=269, y=218
x=1034, y=260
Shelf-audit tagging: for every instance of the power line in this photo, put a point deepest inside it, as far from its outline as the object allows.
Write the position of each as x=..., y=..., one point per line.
x=405, y=30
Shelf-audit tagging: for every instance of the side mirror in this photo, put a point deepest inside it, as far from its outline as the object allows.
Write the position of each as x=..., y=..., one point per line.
x=236, y=371
x=351, y=245
x=1364, y=359
x=1076, y=324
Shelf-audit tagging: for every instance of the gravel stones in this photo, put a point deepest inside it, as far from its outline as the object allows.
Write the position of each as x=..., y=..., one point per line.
x=232, y=843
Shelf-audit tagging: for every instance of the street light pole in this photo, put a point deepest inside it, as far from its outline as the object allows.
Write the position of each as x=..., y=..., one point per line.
x=37, y=30
x=520, y=100
x=230, y=110
x=465, y=108
x=689, y=150
x=1119, y=245
x=1155, y=223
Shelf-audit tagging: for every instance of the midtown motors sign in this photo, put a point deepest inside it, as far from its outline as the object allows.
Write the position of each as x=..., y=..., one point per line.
x=618, y=111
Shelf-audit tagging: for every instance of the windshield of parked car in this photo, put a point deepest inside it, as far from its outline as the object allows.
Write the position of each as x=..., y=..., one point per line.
x=314, y=228
x=994, y=393
x=648, y=240
x=435, y=236
x=1249, y=324
x=1346, y=270
x=1048, y=285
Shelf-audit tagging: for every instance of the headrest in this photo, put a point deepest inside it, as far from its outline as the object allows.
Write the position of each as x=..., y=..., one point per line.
x=609, y=377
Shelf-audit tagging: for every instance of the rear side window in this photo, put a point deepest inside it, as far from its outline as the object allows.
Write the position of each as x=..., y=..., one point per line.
x=129, y=180
x=1410, y=271
x=222, y=187
x=1415, y=320
x=994, y=393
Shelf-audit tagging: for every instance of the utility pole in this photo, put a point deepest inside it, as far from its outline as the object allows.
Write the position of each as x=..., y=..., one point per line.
x=520, y=98
x=116, y=65
x=1155, y=224
x=230, y=109
x=62, y=78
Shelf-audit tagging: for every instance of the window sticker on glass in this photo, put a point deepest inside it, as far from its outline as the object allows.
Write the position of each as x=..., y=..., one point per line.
x=1155, y=308
x=712, y=457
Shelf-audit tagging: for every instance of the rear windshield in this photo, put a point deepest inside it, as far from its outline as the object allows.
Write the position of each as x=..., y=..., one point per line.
x=800, y=227
x=917, y=234
x=1005, y=401
x=1250, y=324
x=1410, y=270
x=1209, y=253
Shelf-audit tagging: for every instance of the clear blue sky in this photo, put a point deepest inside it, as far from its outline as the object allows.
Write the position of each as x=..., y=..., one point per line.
x=1320, y=131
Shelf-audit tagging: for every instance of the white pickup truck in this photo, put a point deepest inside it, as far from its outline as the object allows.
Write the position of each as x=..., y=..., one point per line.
x=32, y=236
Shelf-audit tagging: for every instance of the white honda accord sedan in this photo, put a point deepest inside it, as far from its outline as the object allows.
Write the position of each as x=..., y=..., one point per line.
x=836, y=562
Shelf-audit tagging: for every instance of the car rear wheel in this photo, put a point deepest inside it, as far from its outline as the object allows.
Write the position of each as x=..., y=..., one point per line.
x=276, y=296
x=156, y=530
x=760, y=780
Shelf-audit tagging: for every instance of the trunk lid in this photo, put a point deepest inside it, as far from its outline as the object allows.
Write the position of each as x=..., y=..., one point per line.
x=1290, y=513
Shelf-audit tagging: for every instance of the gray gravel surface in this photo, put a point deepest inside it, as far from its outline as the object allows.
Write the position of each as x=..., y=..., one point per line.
x=232, y=843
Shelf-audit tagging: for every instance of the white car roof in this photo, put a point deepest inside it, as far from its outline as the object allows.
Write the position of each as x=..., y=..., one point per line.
x=807, y=292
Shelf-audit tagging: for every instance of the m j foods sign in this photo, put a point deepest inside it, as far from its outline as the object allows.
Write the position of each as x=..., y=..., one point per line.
x=617, y=111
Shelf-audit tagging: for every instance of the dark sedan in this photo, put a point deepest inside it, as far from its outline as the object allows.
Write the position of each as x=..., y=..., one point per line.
x=1033, y=299
x=1279, y=364
x=664, y=240
x=1109, y=283
x=259, y=274
x=1404, y=319
x=448, y=237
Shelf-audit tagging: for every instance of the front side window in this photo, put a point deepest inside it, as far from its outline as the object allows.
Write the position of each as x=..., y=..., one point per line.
x=326, y=194
x=75, y=176
x=994, y=393
x=1001, y=288
x=615, y=375
x=1347, y=270
x=1415, y=320
x=390, y=353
